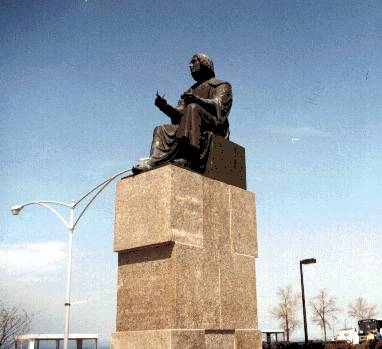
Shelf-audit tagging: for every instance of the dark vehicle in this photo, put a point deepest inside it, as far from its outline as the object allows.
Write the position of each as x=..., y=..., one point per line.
x=366, y=325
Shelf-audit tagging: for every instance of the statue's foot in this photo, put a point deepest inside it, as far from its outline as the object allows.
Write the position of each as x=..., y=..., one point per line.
x=143, y=166
x=182, y=163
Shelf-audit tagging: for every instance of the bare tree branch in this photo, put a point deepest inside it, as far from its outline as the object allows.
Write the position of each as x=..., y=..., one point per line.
x=360, y=309
x=285, y=310
x=324, y=308
x=13, y=321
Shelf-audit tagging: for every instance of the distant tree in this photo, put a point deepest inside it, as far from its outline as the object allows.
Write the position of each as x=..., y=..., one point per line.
x=285, y=310
x=324, y=309
x=360, y=309
x=13, y=321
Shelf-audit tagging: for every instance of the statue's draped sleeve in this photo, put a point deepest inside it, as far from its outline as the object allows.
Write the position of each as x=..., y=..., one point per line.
x=173, y=113
x=216, y=99
x=220, y=104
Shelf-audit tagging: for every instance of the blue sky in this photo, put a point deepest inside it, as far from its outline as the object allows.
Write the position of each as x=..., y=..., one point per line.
x=78, y=81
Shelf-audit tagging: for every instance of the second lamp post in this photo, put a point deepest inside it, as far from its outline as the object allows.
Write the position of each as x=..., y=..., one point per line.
x=304, y=261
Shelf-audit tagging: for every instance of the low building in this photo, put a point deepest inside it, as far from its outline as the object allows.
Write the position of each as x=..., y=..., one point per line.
x=36, y=341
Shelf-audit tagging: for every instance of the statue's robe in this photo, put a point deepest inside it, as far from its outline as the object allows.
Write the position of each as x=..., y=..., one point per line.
x=192, y=125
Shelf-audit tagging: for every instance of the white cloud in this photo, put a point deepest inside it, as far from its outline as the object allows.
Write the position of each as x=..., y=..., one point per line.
x=29, y=261
x=297, y=132
x=29, y=279
x=295, y=139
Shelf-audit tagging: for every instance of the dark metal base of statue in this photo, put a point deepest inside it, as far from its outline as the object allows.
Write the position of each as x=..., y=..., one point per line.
x=224, y=162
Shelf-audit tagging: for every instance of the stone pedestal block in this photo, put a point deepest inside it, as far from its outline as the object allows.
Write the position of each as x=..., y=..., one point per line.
x=186, y=339
x=186, y=249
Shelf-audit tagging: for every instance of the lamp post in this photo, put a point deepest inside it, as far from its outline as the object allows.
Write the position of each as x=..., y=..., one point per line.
x=70, y=225
x=305, y=261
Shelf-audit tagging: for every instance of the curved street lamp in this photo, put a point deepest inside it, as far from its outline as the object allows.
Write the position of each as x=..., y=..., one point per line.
x=305, y=261
x=70, y=225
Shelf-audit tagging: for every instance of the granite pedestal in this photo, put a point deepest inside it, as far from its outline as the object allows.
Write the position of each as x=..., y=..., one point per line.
x=186, y=249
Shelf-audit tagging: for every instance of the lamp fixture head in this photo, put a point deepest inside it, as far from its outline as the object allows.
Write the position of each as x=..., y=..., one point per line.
x=16, y=209
x=308, y=261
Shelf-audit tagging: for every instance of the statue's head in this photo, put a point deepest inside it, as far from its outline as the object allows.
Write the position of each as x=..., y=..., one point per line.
x=201, y=67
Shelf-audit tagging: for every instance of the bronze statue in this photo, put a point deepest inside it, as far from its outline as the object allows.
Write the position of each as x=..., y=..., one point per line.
x=201, y=111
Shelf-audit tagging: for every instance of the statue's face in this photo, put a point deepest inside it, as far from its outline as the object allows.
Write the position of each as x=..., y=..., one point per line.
x=194, y=65
x=201, y=67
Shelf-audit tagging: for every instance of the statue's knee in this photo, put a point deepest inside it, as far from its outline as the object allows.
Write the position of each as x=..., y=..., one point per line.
x=157, y=130
x=192, y=106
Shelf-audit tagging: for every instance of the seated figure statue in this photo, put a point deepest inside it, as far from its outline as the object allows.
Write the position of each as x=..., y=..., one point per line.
x=201, y=111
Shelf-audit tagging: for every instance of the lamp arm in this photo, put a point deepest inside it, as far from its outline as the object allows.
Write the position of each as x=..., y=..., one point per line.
x=107, y=181
x=44, y=204
x=90, y=202
x=48, y=202
x=100, y=188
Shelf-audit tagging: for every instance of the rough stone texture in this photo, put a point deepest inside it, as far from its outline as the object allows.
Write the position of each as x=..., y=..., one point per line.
x=186, y=339
x=220, y=339
x=243, y=222
x=161, y=339
x=159, y=206
x=186, y=277
x=141, y=340
x=146, y=289
x=247, y=339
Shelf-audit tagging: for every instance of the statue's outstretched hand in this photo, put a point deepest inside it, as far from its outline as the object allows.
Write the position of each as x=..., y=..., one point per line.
x=160, y=101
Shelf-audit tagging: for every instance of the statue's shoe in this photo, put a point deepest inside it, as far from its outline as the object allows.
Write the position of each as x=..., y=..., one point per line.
x=142, y=167
x=182, y=163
